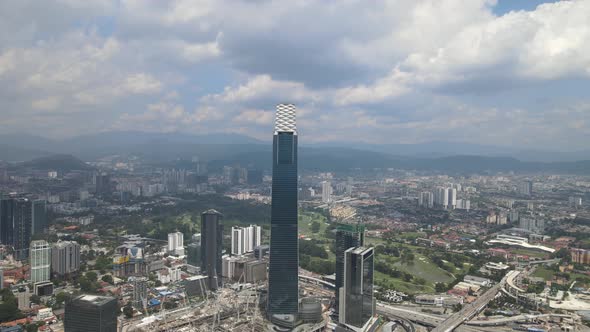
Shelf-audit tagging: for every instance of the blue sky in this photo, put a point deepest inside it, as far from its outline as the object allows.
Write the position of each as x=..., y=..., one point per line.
x=506, y=72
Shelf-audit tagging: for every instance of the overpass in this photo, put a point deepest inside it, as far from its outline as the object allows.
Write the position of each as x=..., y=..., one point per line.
x=471, y=309
x=317, y=281
x=417, y=317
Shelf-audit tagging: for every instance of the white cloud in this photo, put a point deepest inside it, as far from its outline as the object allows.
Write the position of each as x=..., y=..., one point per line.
x=46, y=104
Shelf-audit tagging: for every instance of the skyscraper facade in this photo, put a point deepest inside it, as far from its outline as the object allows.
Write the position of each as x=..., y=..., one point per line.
x=211, y=247
x=283, y=292
x=347, y=236
x=65, y=258
x=22, y=223
x=326, y=192
x=357, y=305
x=91, y=313
x=39, y=218
x=40, y=261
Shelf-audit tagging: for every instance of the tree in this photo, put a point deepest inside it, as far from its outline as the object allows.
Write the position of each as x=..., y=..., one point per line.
x=61, y=297
x=315, y=227
x=108, y=278
x=440, y=287
x=8, y=306
x=92, y=276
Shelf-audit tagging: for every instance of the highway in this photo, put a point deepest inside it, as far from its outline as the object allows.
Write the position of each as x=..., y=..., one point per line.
x=470, y=310
x=417, y=317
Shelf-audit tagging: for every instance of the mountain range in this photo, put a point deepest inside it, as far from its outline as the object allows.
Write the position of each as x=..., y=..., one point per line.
x=223, y=149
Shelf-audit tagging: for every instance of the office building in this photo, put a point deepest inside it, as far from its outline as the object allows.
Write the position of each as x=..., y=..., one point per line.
x=326, y=192
x=65, y=258
x=347, y=236
x=39, y=218
x=426, y=199
x=102, y=184
x=211, y=247
x=22, y=222
x=194, y=253
x=40, y=257
x=6, y=221
x=245, y=239
x=283, y=291
x=575, y=201
x=91, y=313
x=357, y=305
x=176, y=243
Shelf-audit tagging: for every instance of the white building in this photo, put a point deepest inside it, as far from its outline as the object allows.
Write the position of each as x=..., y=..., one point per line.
x=452, y=198
x=245, y=239
x=441, y=197
x=40, y=261
x=176, y=243
x=326, y=192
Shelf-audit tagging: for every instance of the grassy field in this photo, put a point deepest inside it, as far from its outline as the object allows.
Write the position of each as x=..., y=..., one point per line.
x=542, y=272
x=530, y=252
x=306, y=219
x=423, y=268
x=400, y=285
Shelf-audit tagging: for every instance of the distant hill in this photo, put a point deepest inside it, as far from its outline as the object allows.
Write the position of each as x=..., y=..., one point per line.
x=17, y=154
x=63, y=163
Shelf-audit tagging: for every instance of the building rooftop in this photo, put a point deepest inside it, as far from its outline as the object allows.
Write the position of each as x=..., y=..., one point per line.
x=285, y=120
x=94, y=299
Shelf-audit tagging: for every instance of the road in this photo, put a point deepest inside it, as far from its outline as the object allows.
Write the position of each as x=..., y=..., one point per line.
x=470, y=310
x=417, y=317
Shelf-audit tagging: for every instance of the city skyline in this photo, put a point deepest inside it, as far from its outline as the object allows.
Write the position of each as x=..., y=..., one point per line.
x=202, y=68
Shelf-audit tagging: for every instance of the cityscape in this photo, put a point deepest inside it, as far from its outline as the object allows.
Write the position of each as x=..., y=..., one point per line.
x=293, y=216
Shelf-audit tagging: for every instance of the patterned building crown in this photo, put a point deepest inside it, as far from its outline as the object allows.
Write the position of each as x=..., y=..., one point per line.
x=285, y=121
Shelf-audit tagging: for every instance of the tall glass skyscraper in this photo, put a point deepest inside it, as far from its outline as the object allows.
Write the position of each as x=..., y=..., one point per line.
x=357, y=304
x=283, y=292
x=211, y=247
x=347, y=236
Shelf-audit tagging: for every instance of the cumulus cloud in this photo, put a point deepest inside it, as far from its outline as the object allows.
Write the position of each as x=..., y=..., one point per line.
x=381, y=70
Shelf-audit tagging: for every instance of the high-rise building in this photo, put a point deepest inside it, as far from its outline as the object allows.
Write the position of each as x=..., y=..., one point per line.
x=91, y=313
x=535, y=225
x=245, y=239
x=22, y=222
x=6, y=221
x=441, y=197
x=139, y=291
x=526, y=188
x=283, y=291
x=176, y=243
x=65, y=258
x=39, y=217
x=452, y=198
x=102, y=184
x=326, y=192
x=211, y=247
x=357, y=305
x=426, y=199
x=194, y=250
x=347, y=236
x=40, y=261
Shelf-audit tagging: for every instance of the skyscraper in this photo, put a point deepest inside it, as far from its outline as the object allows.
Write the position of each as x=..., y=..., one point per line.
x=211, y=247
x=91, y=313
x=347, y=236
x=357, y=305
x=40, y=261
x=22, y=227
x=283, y=292
x=39, y=217
x=65, y=257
